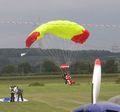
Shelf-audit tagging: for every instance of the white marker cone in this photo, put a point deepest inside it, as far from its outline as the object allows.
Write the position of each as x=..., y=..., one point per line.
x=96, y=81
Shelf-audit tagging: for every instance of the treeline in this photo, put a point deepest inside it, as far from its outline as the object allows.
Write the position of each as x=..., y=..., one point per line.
x=49, y=67
x=47, y=61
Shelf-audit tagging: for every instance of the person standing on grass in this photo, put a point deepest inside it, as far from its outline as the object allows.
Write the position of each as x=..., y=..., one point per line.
x=12, y=92
x=20, y=94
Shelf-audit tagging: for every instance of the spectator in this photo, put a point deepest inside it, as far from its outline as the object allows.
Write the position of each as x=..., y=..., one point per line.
x=12, y=98
x=20, y=94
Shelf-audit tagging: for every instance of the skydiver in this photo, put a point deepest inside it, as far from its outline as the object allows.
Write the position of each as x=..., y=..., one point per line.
x=68, y=78
x=64, y=77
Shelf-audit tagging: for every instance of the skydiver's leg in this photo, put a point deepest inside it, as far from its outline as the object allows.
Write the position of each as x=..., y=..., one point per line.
x=65, y=81
x=21, y=97
x=69, y=82
x=18, y=97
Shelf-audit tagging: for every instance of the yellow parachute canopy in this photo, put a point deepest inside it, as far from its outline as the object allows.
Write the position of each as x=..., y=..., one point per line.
x=60, y=28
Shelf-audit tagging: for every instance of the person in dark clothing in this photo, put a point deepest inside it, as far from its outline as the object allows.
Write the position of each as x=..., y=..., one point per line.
x=12, y=95
x=20, y=94
x=64, y=77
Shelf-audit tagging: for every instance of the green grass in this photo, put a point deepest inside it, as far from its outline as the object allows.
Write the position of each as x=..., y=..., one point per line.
x=54, y=96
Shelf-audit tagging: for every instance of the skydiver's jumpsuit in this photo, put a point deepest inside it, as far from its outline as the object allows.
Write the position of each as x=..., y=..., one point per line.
x=68, y=78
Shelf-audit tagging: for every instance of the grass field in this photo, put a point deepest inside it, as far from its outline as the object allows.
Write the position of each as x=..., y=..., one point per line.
x=53, y=95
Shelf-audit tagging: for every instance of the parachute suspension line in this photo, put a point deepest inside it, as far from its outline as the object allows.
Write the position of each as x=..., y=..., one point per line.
x=50, y=51
x=69, y=52
x=41, y=50
x=61, y=57
x=55, y=52
x=60, y=52
x=46, y=52
x=44, y=47
x=64, y=51
x=28, y=50
x=72, y=52
x=77, y=54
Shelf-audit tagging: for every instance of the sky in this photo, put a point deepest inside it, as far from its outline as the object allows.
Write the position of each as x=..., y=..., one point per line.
x=84, y=12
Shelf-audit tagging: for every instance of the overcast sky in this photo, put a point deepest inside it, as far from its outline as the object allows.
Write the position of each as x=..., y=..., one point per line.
x=81, y=11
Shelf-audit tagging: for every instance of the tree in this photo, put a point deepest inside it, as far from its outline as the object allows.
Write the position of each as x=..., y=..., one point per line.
x=8, y=69
x=110, y=66
x=49, y=66
x=81, y=67
x=37, y=68
x=24, y=67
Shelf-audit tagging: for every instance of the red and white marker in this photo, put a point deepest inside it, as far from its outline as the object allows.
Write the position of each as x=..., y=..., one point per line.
x=96, y=81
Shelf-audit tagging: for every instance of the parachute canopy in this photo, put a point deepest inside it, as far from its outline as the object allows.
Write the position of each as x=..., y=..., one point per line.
x=60, y=28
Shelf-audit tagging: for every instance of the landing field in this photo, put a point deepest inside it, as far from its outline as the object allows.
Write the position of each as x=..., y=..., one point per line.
x=52, y=95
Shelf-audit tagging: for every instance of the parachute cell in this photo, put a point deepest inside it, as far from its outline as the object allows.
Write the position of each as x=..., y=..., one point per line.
x=61, y=28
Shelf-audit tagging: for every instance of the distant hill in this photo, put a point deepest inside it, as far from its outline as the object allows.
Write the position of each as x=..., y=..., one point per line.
x=35, y=55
